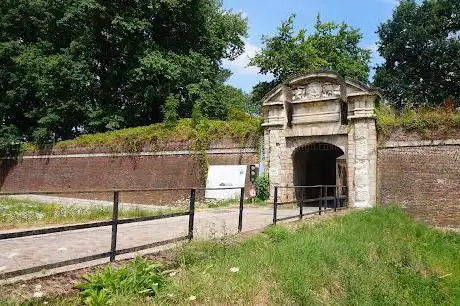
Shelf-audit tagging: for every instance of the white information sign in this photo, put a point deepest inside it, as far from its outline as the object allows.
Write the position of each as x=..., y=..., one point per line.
x=222, y=176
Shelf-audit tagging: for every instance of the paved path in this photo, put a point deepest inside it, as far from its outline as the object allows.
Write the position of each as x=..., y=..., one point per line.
x=26, y=252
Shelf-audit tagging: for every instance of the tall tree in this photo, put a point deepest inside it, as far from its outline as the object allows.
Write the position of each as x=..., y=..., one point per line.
x=330, y=46
x=421, y=48
x=75, y=66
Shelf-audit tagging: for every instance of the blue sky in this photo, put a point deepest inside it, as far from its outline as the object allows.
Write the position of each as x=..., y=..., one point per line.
x=264, y=16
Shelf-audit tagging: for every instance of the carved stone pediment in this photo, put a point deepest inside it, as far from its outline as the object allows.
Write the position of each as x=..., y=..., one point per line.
x=315, y=90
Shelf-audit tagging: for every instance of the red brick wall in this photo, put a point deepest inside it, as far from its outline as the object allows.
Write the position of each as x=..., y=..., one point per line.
x=423, y=179
x=97, y=173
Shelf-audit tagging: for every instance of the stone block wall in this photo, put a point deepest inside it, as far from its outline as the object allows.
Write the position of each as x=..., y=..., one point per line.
x=423, y=177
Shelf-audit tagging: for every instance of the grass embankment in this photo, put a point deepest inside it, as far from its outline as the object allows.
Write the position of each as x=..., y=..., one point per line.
x=428, y=122
x=373, y=257
x=379, y=256
x=15, y=213
x=157, y=135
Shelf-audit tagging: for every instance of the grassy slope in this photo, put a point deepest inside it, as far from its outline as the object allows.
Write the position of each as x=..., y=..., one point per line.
x=379, y=256
x=23, y=213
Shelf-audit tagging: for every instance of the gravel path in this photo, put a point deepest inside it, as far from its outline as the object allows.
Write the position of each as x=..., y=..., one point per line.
x=21, y=253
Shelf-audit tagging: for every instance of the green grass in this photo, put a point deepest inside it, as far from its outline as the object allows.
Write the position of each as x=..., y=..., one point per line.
x=374, y=257
x=24, y=213
x=429, y=122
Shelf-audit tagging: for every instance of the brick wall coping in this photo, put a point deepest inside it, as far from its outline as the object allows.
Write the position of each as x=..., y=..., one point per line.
x=419, y=143
x=137, y=154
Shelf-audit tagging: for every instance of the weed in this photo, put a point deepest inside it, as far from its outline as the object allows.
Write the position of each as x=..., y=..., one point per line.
x=262, y=187
x=139, y=278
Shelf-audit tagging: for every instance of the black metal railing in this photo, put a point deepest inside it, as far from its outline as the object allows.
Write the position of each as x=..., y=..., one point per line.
x=323, y=195
x=113, y=252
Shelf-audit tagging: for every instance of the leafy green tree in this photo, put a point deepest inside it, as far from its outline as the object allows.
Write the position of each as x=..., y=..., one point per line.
x=78, y=66
x=259, y=91
x=215, y=102
x=421, y=47
x=331, y=46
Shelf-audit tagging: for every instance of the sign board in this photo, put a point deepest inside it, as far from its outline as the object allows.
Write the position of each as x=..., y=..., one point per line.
x=220, y=176
x=252, y=193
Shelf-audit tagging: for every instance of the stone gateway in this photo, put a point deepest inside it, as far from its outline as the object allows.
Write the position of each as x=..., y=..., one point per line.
x=320, y=129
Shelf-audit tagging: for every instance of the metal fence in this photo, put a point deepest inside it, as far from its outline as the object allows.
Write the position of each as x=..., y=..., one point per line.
x=327, y=196
x=113, y=252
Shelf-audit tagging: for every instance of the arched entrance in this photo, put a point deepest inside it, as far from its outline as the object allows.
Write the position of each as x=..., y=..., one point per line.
x=319, y=109
x=318, y=164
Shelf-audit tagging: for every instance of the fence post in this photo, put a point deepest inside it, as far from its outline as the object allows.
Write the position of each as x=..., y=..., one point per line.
x=240, y=217
x=301, y=202
x=345, y=201
x=191, y=216
x=113, y=247
x=275, y=205
x=335, y=198
x=325, y=198
x=320, y=201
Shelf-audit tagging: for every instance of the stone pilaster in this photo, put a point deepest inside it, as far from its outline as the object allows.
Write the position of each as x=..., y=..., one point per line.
x=362, y=151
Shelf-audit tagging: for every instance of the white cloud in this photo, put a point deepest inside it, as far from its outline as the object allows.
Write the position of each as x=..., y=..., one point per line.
x=240, y=65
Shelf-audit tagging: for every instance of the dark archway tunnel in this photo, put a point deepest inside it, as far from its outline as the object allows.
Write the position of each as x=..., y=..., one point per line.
x=317, y=164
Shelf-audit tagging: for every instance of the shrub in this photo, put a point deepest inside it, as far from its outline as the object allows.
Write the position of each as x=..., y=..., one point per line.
x=236, y=114
x=139, y=277
x=262, y=188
